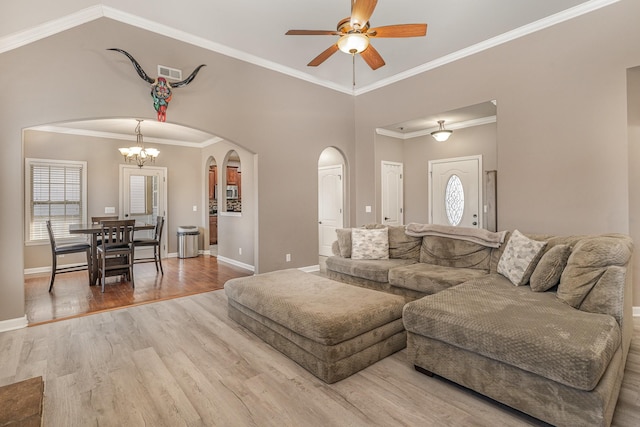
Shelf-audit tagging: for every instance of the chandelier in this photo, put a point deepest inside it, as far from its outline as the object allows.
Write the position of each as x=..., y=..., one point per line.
x=441, y=134
x=138, y=154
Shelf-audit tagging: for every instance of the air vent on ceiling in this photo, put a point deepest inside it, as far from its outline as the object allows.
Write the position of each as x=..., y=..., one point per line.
x=169, y=73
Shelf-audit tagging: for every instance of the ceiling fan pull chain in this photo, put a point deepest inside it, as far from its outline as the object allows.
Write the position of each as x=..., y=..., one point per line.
x=353, y=58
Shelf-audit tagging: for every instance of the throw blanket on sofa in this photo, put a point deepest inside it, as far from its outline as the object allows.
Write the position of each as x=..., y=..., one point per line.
x=477, y=235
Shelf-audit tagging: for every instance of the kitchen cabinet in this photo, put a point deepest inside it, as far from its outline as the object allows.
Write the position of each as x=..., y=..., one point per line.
x=212, y=183
x=213, y=230
x=232, y=175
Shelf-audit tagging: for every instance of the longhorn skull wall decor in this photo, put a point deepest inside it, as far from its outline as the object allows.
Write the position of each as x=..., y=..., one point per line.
x=160, y=87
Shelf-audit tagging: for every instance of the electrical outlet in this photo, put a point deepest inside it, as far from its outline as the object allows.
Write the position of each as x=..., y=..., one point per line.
x=195, y=208
x=239, y=251
x=367, y=209
x=109, y=210
x=287, y=257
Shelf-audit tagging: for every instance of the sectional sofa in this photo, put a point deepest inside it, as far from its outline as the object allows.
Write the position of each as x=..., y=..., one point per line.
x=540, y=323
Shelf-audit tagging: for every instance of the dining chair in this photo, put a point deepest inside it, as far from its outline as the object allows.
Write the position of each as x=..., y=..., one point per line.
x=70, y=248
x=152, y=242
x=116, y=252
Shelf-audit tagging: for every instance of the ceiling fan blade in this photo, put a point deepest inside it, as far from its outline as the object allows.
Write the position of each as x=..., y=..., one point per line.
x=323, y=56
x=372, y=57
x=311, y=33
x=361, y=11
x=402, y=30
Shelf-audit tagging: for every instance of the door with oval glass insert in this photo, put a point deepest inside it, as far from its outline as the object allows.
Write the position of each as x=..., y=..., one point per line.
x=455, y=193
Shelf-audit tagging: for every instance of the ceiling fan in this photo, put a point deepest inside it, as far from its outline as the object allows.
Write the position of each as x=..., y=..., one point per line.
x=355, y=33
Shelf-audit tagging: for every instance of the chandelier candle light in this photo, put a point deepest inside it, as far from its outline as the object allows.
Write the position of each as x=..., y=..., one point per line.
x=138, y=154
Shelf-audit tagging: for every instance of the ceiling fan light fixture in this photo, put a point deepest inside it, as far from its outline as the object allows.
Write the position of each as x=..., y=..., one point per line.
x=353, y=43
x=441, y=134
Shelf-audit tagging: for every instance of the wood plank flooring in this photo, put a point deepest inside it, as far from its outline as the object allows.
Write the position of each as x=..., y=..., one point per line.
x=72, y=296
x=183, y=362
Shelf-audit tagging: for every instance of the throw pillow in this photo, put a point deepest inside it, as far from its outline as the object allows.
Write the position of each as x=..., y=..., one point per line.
x=370, y=243
x=344, y=242
x=520, y=258
x=549, y=269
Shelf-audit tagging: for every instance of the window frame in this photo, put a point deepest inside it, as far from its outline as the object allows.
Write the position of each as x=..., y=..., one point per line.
x=28, y=192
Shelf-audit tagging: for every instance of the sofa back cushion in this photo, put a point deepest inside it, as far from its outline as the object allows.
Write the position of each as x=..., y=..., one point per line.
x=402, y=246
x=595, y=275
x=450, y=252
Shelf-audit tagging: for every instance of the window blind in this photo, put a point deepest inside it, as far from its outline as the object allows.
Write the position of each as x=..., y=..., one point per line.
x=57, y=193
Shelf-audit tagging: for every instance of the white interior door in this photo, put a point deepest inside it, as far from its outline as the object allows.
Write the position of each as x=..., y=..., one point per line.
x=143, y=198
x=330, y=206
x=455, y=193
x=392, y=193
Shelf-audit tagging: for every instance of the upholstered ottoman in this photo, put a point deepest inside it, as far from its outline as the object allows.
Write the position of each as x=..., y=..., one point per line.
x=330, y=328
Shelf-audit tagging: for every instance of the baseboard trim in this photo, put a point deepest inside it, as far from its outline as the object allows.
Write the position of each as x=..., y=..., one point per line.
x=242, y=265
x=310, y=269
x=636, y=311
x=13, y=324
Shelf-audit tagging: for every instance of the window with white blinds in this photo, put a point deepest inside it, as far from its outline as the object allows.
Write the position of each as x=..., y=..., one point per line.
x=55, y=190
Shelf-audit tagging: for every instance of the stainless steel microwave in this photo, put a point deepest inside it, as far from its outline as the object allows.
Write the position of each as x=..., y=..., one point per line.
x=232, y=192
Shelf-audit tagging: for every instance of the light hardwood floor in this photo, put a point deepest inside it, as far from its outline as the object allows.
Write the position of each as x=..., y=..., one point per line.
x=184, y=362
x=72, y=296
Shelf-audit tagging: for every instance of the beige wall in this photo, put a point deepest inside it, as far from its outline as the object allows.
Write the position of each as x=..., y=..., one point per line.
x=562, y=138
x=236, y=231
x=70, y=76
x=562, y=141
x=184, y=186
x=415, y=154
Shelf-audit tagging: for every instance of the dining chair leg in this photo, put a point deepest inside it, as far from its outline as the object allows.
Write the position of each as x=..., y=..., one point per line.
x=133, y=284
x=89, y=267
x=160, y=262
x=103, y=271
x=54, y=266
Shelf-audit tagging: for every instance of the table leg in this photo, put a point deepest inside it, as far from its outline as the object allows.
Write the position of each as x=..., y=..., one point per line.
x=94, y=259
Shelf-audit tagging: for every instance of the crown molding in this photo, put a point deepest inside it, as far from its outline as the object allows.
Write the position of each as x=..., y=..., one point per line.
x=22, y=38
x=123, y=137
x=423, y=132
x=533, y=27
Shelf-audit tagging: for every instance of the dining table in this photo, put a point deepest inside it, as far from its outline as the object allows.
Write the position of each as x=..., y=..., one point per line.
x=93, y=230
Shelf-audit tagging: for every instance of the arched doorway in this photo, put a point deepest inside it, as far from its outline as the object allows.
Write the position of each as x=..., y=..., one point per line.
x=331, y=198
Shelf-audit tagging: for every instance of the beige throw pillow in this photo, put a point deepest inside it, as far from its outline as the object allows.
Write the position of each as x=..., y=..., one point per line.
x=549, y=269
x=520, y=258
x=369, y=243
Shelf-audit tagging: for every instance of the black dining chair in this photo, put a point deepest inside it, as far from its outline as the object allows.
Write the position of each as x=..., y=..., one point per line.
x=152, y=242
x=116, y=252
x=65, y=249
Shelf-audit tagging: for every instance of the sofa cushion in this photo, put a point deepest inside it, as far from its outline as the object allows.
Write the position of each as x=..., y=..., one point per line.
x=344, y=242
x=376, y=270
x=533, y=331
x=593, y=263
x=429, y=278
x=448, y=252
x=370, y=244
x=520, y=257
x=402, y=245
x=549, y=269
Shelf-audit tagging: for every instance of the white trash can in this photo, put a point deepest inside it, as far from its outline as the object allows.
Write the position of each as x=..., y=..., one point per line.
x=188, y=241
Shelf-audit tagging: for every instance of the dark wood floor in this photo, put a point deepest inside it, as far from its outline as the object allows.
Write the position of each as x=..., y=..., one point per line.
x=72, y=296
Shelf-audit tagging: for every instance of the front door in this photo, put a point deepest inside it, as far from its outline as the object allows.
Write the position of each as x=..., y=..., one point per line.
x=142, y=197
x=330, y=206
x=392, y=193
x=455, y=192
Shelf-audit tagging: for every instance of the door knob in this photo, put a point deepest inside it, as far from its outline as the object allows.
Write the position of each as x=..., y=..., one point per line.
x=386, y=218
x=474, y=223
x=319, y=222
